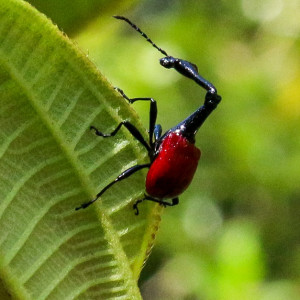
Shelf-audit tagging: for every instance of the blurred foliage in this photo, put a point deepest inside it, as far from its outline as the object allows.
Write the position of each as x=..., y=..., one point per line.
x=236, y=232
x=72, y=15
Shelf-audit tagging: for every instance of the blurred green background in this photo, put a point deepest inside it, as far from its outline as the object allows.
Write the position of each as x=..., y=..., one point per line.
x=236, y=232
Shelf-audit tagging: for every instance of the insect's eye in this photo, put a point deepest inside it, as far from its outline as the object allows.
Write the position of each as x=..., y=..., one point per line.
x=167, y=62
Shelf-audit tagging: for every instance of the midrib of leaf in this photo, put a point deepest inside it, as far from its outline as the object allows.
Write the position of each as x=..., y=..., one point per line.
x=54, y=130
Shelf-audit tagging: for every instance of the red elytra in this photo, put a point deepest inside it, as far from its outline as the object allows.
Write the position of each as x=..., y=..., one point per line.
x=174, y=167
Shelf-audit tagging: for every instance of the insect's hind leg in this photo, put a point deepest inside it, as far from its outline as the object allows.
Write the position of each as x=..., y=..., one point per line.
x=153, y=111
x=175, y=201
x=122, y=176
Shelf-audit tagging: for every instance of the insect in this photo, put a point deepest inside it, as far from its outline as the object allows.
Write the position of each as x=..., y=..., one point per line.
x=173, y=155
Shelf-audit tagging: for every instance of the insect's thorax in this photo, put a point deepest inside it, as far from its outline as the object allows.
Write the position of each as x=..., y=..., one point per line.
x=173, y=168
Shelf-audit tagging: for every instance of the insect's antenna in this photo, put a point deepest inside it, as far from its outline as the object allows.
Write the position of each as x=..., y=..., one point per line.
x=142, y=33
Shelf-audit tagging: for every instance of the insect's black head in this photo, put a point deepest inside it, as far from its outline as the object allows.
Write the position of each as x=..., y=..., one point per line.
x=167, y=62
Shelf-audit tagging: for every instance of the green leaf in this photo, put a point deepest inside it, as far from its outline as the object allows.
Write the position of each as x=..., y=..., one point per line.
x=50, y=163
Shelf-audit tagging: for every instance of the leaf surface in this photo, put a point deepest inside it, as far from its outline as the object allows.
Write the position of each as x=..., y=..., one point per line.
x=50, y=163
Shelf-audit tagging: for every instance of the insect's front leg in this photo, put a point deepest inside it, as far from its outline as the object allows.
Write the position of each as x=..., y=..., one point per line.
x=153, y=112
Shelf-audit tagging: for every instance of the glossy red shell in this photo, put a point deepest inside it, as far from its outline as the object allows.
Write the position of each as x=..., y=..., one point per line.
x=174, y=167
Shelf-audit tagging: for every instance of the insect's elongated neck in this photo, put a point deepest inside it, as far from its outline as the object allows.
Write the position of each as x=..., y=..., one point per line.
x=191, y=124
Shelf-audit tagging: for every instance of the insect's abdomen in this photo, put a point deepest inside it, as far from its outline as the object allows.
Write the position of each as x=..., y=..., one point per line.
x=174, y=167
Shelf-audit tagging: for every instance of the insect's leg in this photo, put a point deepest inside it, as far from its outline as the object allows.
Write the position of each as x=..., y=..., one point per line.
x=121, y=92
x=122, y=176
x=175, y=201
x=131, y=128
x=157, y=132
x=153, y=111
